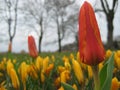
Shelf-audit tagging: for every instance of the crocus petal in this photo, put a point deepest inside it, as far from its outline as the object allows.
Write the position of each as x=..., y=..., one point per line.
x=90, y=44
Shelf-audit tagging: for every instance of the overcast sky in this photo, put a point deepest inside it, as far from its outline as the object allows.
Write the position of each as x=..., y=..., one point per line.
x=20, y=40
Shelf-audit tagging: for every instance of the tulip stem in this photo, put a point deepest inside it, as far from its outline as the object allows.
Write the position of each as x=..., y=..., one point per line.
x=96, y=77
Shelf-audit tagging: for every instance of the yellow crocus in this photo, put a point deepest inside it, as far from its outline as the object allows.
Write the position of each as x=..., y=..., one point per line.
x=100, y=66
x=1, y=74
x=49, y=68
x=78, y=71
x=32, y=71
x=78, y=56
x=23, y=73
x=118, y=53
x=13, y=75
x=75, y=87
x=61, y=88
x=115, y=84
x=4, y=59
x=115, y=70
x=53, y=58
x=108, y=53
x=45, y=63
x=38, y=63
x=64, y=76
x=65, y=59
x=42, y=76
x=67, y=75
x=14, y=61
x=71, y=56
x=14, y=79
x=83, y=66
x=90, y=72
x=2, y=64
x=2, y=87
x=118, y=63
x=57, y=82
x=9, y=66
x=60, y=69
x=115, y=56
x=67, y=65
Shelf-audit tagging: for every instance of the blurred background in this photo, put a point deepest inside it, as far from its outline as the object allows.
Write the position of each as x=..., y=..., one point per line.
x=54, y=24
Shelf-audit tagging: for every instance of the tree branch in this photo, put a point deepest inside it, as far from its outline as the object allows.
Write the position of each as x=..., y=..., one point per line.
x=104, y=7
x=115, y=5
x=107, y=6
x=15, y=24
x=99, y=10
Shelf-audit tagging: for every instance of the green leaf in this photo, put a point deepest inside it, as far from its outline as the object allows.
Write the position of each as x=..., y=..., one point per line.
x=67, y=86
x=106, y=74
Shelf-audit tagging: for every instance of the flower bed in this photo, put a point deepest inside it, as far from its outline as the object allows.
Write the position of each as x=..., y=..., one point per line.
x=49, y=73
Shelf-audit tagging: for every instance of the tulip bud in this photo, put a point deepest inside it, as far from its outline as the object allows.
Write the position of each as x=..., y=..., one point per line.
x=90, y=44
x=32, y=47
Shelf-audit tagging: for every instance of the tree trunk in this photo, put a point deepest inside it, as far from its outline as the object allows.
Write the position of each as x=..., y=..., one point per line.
x=10, y=45
x=77, y=44
x=40, y=42
x=41, y=35
x=110, y=32
x=11, y=35
x=59, y=38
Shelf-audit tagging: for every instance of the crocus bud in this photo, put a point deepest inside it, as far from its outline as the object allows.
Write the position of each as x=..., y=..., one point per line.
x=90, y=45
x=32, y=47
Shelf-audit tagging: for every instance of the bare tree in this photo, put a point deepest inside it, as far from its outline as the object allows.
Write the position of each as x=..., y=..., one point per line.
x=71, y=25
x=109, y=13
x=34, y=14
x=58, y=7
x=10, y=12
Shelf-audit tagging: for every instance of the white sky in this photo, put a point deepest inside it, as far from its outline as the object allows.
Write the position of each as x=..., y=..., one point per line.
x=20, y=40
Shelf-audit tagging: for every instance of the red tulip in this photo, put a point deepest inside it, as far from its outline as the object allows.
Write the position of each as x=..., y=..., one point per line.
x=90, y=45
x=32, y=47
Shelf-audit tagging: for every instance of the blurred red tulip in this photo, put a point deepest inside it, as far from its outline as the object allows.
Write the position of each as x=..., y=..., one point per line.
x=32, y=47
x=90, y=45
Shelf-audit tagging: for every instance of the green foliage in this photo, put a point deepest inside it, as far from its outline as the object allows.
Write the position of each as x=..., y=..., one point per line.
x=31, y=84
x=106, y=74
x=67, y=86
x=25, y=56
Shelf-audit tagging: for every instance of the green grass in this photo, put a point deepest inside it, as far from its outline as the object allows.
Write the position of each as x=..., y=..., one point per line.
x=25, y=56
